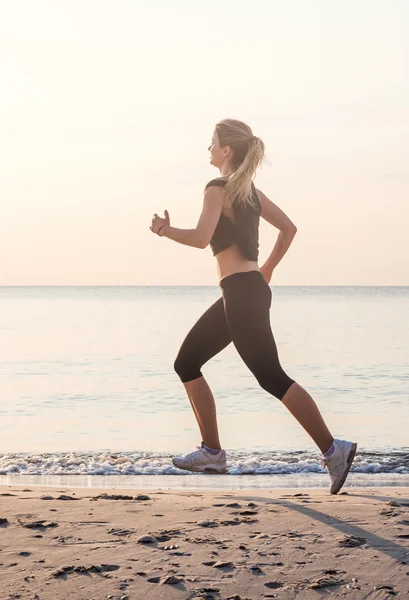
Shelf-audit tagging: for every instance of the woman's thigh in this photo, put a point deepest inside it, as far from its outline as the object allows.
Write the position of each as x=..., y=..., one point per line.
x=247, y=309
x=208, y=336
x=248, y=321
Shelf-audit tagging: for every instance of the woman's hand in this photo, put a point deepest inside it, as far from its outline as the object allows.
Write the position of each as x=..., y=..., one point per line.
x=158, y=222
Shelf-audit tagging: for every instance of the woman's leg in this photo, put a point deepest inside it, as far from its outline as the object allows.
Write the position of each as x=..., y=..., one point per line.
x=206, y=339
x=303, y=408
x=247, y=300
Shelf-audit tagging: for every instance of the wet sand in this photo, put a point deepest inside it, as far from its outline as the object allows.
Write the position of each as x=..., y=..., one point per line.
x=82, y=544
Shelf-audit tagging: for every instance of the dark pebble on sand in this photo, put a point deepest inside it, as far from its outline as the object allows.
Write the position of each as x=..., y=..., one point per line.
x=38, y=524
x=171, y=580
x=146, y=539
x=205, y=593
x=64, y=497
x=112, y=497
x=207, y=523
x=273, y=585
x=118, y=531
x=351, y=541
x=389, y=589
x=256, y=569
x=103, y=568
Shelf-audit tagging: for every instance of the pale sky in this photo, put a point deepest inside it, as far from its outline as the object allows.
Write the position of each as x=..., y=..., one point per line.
x=107, y=109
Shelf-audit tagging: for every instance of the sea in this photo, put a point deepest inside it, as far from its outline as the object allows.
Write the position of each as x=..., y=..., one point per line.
x=89, y=396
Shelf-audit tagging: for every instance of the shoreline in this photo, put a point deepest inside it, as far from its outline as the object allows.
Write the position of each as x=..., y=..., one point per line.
x=65, y=542
x=193, y=481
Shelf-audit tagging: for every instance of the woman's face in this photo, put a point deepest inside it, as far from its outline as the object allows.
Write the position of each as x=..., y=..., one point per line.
x=217, y=153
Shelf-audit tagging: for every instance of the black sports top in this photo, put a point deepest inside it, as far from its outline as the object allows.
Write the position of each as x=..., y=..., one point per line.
x=243, y=231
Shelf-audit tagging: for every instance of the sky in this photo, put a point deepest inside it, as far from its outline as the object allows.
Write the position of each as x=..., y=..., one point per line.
x=107, y=109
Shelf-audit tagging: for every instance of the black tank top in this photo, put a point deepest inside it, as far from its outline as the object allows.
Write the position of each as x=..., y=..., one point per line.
x=243, y=231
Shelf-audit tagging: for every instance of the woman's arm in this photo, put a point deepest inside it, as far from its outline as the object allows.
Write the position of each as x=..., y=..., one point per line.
x=281, y=246
x=276, y=217
x=188, y=237
x=202, y=234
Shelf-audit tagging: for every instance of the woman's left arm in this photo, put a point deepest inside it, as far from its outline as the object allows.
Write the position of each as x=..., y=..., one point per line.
x=202, y=234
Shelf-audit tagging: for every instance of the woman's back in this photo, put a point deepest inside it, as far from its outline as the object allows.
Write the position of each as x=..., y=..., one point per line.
x=235, y=241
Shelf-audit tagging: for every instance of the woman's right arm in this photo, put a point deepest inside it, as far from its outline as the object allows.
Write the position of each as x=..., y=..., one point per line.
x=287, y=230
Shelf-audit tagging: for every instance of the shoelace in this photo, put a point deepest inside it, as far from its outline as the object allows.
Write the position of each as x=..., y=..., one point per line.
x=194, y=451
x=324, y=464
x=189, y=456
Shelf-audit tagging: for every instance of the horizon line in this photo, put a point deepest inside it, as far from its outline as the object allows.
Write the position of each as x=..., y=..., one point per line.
x=190, y=285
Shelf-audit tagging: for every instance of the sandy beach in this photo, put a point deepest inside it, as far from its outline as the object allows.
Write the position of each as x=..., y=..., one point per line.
x=82, y=544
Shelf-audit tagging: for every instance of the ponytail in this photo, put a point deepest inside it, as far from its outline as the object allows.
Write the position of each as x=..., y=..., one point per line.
x=248, y=154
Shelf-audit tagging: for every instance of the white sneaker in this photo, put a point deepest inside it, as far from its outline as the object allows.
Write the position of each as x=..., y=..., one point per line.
x=339, y=463
x=201, y=461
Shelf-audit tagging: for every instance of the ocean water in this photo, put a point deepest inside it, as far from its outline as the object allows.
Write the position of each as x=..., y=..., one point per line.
x=89, y=397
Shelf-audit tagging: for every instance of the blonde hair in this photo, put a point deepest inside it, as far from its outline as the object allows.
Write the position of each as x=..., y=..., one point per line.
x=248, y=154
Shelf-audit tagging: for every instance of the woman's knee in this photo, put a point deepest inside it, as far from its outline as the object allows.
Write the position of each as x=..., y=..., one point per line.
x=186, y=369
x=276, y=384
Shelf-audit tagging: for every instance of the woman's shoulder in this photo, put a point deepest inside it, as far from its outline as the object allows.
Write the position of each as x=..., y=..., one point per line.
x=218, y=181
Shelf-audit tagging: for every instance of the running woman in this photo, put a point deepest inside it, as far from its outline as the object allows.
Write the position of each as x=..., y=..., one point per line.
x=229, y=222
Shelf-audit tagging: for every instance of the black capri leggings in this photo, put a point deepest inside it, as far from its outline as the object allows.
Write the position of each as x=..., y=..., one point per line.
x=241, y=315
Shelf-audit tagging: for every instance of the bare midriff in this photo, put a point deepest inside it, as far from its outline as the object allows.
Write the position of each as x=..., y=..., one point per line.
x=231, y=261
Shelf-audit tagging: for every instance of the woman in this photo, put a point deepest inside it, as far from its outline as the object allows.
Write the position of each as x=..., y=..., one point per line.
x=229, y=222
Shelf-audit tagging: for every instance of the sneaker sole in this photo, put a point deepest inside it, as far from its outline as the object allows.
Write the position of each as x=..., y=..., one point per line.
x=350, y=460
x=203, y=469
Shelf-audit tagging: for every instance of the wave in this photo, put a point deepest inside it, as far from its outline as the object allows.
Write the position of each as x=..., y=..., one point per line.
x=156, y=463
